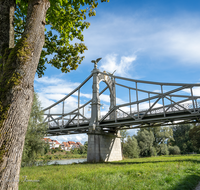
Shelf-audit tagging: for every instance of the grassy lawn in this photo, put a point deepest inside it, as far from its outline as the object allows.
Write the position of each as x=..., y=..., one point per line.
x=164, y=172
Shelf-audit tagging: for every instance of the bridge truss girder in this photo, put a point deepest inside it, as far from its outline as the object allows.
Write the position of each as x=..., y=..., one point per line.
x=173, y=103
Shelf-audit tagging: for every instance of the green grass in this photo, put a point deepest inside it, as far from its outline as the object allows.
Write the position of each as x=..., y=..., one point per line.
x=165, y=172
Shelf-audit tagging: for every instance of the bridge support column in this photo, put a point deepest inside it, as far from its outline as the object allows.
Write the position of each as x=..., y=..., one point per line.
x=104, y=147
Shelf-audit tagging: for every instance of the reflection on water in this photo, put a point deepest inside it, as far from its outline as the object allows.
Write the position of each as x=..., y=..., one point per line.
x=70, y=161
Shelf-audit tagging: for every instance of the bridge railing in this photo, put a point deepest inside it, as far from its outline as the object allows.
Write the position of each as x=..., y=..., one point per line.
x=58, y=114
x=168, y=98
x=127, y=114
x=171, y=109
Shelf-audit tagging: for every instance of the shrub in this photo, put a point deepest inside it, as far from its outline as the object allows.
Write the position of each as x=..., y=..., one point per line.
x=174, y=150
x=153, y=151
x=163, y=149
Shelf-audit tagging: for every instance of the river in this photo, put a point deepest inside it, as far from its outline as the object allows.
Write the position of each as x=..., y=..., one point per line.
x=69, y=161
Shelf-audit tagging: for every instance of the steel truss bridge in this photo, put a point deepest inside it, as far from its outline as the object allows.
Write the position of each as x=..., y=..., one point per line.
x=166, y=104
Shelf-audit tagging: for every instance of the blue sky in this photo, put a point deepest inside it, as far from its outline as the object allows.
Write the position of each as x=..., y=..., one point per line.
x=149, y=40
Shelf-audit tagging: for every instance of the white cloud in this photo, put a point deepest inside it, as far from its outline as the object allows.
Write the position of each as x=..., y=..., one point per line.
x=158, y=91
x=195, y=91
x=62, y=88
x=89, y=96
x=176, y=36
x=47, y=80
x=105, y=98
x=119, y=101
x=122, y=67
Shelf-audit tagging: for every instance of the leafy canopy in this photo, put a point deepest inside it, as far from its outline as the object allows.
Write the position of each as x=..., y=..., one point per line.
x=34, y=145
x=65, y=22
x=194, y=135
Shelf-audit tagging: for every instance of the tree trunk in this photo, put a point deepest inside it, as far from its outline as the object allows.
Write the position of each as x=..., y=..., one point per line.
x=16, y=90
x=7, y=8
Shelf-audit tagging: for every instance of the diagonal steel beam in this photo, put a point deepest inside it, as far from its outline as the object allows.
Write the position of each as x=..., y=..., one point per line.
x=127, y=113
x=45, y=119
x=150, y=109
x=113, y=109
x=71, y=120
x=177, y=103
x=84, y=117
x=54, y=120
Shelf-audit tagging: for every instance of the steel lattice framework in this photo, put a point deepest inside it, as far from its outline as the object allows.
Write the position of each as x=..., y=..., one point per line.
x=168, y=104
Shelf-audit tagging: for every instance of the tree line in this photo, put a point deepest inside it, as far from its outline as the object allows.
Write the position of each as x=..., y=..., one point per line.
x=155, y=141
x=35, y=148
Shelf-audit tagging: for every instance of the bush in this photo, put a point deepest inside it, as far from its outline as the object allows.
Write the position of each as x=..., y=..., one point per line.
x=163, y=149
x=174, y=150
x=153, y=151
x=53, y=150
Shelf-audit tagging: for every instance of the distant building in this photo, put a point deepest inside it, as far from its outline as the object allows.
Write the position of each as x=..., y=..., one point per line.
x=52, y=143
x=67, y=146
x=71, y=143
x=56, y=144
x=76, y=145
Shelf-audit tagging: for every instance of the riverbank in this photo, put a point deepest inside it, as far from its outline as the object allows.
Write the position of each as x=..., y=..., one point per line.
x=164, y=172
x=60, y=156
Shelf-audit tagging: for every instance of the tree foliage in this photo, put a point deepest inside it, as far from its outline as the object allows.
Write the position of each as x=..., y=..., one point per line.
x=174, y=150
x=181, y=138
x=161, y=135
x=131, y=148
x=34, y=144
x=194, y=135
x=65, y=23
x=124, y=134
x=145, y=141
x=150, y=142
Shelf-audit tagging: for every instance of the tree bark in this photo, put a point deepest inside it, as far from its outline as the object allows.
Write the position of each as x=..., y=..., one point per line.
x=16, y=90
x=7, y=9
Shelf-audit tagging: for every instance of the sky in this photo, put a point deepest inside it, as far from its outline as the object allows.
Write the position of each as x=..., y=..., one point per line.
x=150, y=40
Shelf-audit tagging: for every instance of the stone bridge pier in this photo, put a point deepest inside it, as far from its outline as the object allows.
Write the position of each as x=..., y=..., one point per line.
x=104, y=147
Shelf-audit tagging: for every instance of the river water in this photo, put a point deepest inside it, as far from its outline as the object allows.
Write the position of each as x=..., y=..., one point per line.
x=69, y=161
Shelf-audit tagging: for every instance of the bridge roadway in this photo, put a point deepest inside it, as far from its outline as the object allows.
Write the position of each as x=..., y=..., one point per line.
x=130, y=122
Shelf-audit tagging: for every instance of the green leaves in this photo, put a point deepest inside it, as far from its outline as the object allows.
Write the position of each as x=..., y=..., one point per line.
x=194, y=135
x=65, y=22
x=34, y=145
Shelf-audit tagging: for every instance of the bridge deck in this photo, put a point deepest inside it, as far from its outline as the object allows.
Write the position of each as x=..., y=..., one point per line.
x=149, y=120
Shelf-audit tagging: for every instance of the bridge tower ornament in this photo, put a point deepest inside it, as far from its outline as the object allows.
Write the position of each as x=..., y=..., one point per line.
x=95, y=105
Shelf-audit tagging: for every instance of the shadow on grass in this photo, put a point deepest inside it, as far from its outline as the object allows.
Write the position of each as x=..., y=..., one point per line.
x=188, y=183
